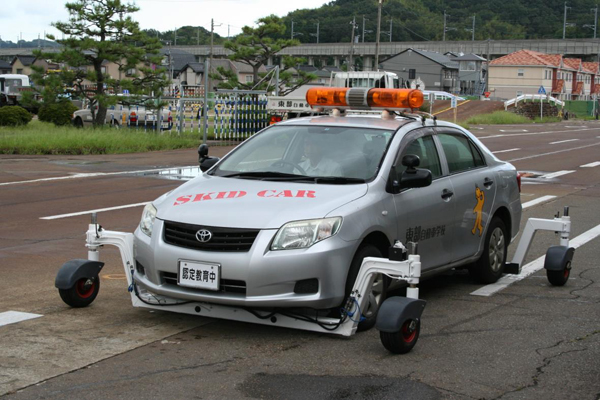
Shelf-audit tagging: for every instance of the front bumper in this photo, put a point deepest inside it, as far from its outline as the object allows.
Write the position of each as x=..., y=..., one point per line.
x=270, y=277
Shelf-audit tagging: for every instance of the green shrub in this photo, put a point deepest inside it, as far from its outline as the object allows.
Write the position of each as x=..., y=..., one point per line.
x=13, y=116
x=58, y=113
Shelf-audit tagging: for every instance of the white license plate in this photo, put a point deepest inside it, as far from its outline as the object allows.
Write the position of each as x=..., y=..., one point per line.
x=199, y=275
x=150, y=117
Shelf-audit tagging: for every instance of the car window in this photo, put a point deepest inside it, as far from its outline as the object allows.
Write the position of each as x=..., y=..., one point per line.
x=424, y=148
x=460, y=153
x=313, y=151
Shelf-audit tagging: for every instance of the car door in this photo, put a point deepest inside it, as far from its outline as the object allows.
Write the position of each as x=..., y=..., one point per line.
x=474, y=188
x=425, y=214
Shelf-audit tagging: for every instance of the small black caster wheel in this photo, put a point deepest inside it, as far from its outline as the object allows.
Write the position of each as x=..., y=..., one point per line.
x=82, y=294
x=403, y=341
x=559, y=278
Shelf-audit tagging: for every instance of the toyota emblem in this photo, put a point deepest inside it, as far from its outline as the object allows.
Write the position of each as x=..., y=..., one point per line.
x=203, y=235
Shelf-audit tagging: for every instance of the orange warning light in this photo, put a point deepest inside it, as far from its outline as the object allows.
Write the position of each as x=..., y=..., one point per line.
x=395, y=98
x=332, y=97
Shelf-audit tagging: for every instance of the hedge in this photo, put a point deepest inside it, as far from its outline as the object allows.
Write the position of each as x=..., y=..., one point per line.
x=14, y=116
x=58, y=113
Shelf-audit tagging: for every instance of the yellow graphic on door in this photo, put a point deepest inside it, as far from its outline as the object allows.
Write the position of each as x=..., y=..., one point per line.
x=480, y=196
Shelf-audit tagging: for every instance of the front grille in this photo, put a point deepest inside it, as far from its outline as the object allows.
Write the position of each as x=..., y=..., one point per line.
x=223, y=239
x=226, y=285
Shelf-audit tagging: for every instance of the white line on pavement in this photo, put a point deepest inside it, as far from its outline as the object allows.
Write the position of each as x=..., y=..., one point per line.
x=537, y=133
x=554, y=152
x=556, y=174
x=12, y=317
x=95, y=211
x=91, y=175
x=590, y=165
x=564, y=141
x=575, y=126
x=533, y=266
x=539, y=200
x=514, y=130
x=504, y=151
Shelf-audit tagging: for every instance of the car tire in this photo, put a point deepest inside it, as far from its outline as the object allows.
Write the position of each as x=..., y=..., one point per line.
x=78, y=123
x=380, y=285
x=490, y=266
x=403, y=341
x=82, y=294
x=559, y=278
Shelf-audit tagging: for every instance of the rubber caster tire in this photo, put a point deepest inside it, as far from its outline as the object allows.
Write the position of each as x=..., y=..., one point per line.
x=490, y=266
x=82, y=294
x=381, y=282
x=403, y=341
x=559, y=278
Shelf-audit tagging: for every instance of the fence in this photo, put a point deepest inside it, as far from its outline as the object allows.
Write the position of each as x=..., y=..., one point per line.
x=232, y=117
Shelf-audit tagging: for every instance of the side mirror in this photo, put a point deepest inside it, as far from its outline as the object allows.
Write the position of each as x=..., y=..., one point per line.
x=205, y=161
x=412, y=177
x=202, y=152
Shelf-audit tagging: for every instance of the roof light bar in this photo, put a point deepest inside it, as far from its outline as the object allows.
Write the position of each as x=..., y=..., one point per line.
x=361, y=98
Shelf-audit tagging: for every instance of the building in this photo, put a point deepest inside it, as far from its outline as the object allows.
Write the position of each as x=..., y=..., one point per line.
x=471, y=73
x=22, y=65
x=527, y=71
x=5, y=67
x=437, y=71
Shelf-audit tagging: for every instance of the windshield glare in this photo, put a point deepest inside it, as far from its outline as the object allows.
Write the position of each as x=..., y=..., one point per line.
x=312, y=151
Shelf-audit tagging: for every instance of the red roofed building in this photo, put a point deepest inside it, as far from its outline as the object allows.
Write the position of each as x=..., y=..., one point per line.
x=525, y=71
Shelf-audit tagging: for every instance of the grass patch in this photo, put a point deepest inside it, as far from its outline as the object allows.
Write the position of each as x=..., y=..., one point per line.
x=44, y=138
x=498, y=118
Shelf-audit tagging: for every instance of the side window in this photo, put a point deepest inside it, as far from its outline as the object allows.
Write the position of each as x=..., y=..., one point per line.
x=424, y=147
x=461, y=154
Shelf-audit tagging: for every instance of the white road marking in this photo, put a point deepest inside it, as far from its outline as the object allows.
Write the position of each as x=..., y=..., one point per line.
x=12, y=317
x=514, y=130
x=91, y=175
x=564, y=141
x=539, y=200
x=554, y=152
x=575, y=126
x=538, y=133
x=95, y=211
x=533, y=266
x=590, y=165
x=556, y=174
x=504, y=151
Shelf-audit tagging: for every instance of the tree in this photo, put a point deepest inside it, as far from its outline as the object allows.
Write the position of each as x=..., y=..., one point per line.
x=255, y=47
x=101, y=31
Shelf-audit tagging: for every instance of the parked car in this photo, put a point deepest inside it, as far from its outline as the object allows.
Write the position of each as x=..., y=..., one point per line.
x=285, y=219
x=127, y=114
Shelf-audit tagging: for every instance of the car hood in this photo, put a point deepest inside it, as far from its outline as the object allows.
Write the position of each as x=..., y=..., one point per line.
x=243, y=203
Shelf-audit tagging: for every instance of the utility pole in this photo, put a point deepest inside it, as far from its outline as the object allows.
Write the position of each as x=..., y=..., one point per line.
x=391, y=25
x=379, y=5
x=212, y=31
x=565, y=21
x=198, y=39
x=363, y=34
x=292, y=37
x=472, y=30
x=487, y=73
x=175, y=37
x=444, y=36
x=351, y=62
x=595, y=10
x=316, y=34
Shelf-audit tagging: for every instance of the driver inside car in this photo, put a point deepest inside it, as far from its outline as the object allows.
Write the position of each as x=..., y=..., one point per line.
x=315, y=163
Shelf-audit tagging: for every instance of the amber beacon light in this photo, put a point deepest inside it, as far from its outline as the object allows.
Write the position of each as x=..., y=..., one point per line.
x=362, y=98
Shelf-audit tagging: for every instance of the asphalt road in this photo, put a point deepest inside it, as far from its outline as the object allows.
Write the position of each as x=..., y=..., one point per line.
x=527, y=341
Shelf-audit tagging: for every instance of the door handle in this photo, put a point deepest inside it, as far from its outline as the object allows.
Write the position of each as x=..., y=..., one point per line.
x=488, y=182
x=446, y=194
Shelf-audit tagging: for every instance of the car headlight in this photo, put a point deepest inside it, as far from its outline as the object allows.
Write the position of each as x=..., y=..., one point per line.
x=148, y=217
x=303, y=234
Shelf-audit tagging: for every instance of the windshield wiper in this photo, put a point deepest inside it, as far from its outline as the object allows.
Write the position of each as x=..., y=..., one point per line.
x=267, y=175
x=337, y=180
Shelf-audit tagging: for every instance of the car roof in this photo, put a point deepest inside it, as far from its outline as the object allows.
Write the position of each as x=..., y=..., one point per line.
x=352, y=121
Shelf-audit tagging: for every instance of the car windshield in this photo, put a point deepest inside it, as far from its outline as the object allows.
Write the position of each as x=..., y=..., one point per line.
x=323, y=154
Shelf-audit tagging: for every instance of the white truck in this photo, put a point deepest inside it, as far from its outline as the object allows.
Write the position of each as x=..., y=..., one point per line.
x=293, y=105
x=12, y=87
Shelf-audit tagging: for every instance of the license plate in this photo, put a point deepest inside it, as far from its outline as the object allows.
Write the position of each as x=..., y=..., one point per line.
x=199, y=275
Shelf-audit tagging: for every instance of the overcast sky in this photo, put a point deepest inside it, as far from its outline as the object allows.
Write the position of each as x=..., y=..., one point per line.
x=31, y=18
